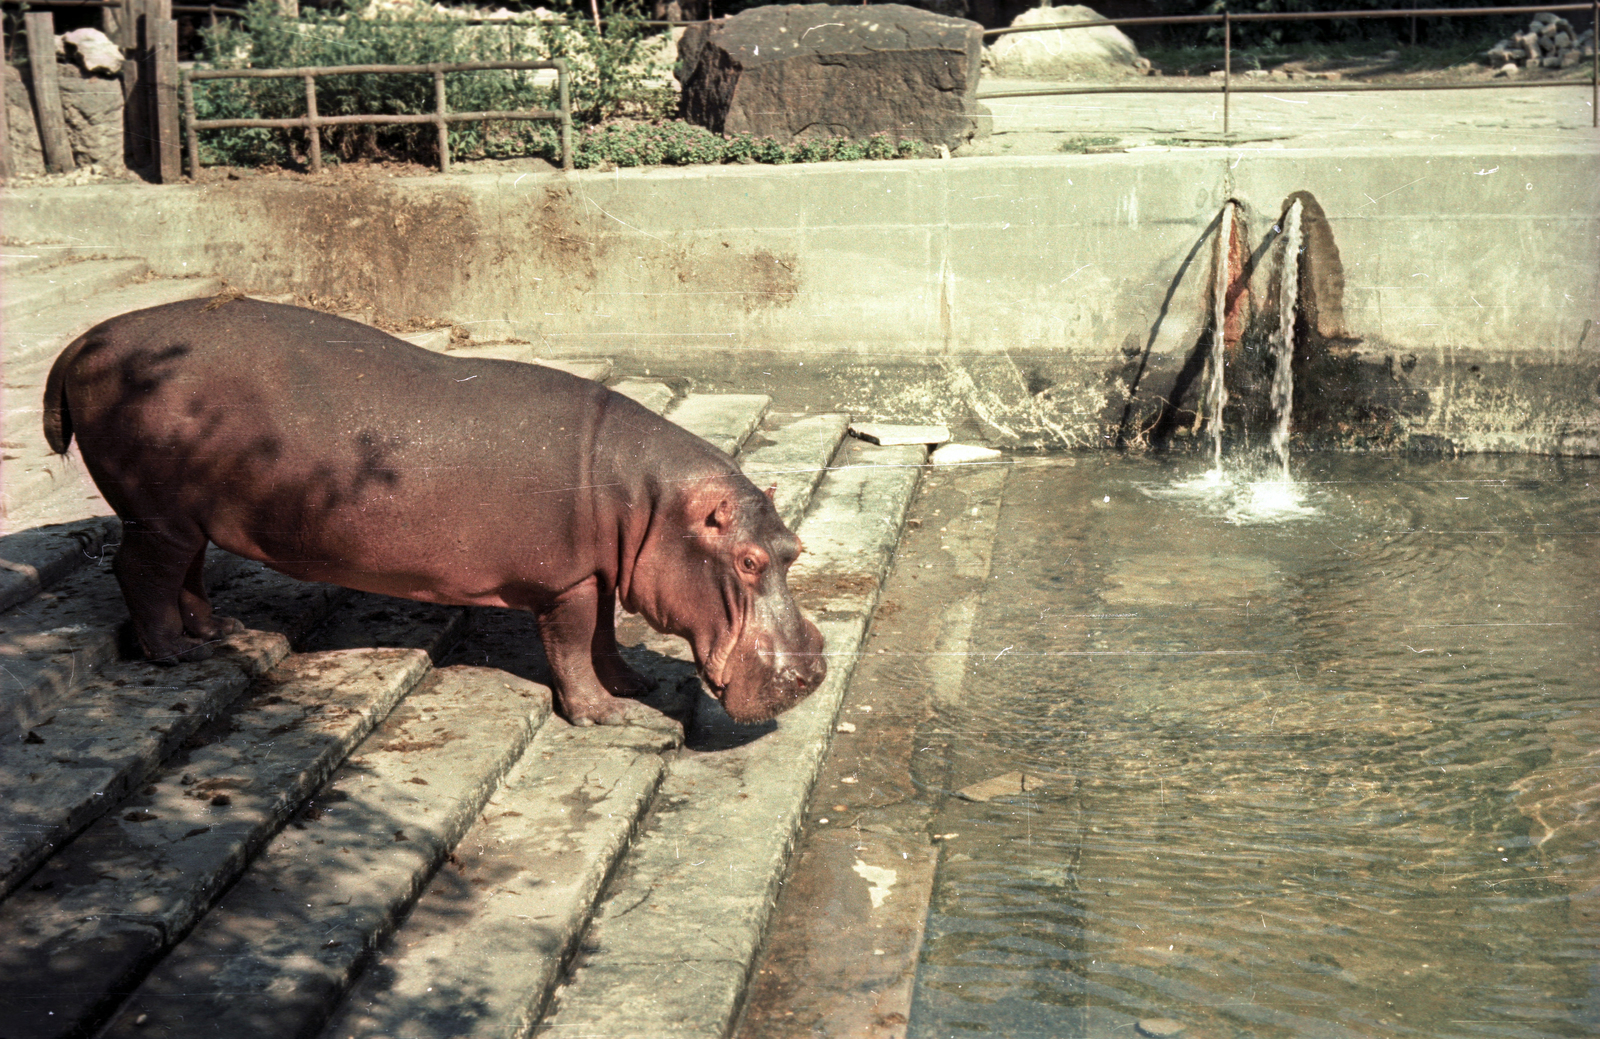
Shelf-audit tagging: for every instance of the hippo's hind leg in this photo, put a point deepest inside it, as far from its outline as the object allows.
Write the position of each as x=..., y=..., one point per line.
x=198, y=620
x=573, y=630
x=155, y=564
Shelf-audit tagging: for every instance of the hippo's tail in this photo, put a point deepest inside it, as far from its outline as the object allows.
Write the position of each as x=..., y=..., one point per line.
x=57, y=416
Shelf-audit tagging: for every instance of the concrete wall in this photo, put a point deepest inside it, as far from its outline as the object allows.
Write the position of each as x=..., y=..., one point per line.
x=1047, y=299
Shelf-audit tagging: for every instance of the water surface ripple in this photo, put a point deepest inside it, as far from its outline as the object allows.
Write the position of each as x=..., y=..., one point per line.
x=1330, y=776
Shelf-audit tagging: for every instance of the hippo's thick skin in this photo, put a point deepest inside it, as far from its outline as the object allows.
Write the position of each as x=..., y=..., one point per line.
x=333, y=452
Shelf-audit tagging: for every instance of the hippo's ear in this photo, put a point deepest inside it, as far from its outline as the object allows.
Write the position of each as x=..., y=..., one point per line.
x=772, y=493
x=718, y=519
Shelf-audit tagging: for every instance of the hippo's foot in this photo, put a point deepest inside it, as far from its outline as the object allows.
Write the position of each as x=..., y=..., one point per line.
x=605, y=709
x=182, y=650
x=215, y=629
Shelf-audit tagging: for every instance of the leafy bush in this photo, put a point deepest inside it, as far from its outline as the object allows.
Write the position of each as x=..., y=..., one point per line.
x=608, y=74
x=678, y=143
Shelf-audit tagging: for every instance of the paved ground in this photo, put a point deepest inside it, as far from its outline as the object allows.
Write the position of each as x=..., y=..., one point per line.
x=1281, y=119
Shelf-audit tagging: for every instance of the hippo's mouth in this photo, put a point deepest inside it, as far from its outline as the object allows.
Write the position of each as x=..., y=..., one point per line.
x=716, y=664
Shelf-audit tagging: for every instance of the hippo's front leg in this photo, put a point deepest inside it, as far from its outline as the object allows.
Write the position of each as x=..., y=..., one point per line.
x=581, y=643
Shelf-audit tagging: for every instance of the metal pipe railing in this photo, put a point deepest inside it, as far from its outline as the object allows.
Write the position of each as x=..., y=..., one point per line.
x=1227, y=18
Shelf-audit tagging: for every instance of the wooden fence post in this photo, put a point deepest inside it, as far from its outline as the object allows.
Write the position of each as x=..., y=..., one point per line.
x=136, y=135
x=164, y=96
x=5, y=137
x=41, y=29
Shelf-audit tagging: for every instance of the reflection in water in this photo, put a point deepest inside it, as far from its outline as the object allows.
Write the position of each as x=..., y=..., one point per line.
x=1326, y=772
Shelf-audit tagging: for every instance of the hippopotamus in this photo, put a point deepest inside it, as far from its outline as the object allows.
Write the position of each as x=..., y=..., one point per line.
x=331, y=451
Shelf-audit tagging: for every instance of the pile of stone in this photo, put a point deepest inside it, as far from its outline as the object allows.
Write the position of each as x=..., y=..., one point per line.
x=1550, y=42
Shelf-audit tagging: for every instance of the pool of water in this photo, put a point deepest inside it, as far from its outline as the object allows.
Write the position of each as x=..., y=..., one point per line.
x=1320, y=761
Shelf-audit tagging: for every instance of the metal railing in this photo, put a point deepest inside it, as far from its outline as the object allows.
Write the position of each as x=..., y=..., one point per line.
x=441, y=117
x=1227, y=88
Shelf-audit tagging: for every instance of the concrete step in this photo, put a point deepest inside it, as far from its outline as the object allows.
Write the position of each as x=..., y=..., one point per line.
x=662, y=957
x=486, y=943
x=17, y=260
x=96, y=915
x=93, y=735
x=657, y=396
x=296, y=928
x=790, y=455
x=724, y=420
x=38, y=290
x=33, y=560
x=52, y=642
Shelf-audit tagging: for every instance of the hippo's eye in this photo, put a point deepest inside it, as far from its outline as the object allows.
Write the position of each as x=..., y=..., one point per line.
x=751, y=564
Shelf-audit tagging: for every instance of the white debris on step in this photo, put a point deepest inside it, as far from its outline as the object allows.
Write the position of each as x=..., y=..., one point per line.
x=879, y=881
x=962, y=454
x=889, y=435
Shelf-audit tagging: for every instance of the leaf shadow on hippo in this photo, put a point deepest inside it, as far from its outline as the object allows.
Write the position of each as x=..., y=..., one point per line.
x=331, y=451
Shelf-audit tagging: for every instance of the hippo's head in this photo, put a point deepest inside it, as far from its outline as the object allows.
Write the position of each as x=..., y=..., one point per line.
x=718, y=577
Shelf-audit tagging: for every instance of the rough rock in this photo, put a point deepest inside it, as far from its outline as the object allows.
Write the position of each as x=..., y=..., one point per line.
x=92, y=106
x=92, y=109
x=1064, y=53
x=22, y=132
x=802, y=71
x=93, y=51
x=1550, y=41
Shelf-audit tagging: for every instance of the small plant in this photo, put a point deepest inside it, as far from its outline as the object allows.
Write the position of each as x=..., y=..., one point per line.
x=1087, y=145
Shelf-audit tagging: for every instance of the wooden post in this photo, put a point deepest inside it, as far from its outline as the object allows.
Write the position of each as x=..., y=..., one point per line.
x=1227, y=65
x=136, y=135
x=164, y=96
x=41, y=29
x=440, y=110
x=313, y=128
x=5, y=136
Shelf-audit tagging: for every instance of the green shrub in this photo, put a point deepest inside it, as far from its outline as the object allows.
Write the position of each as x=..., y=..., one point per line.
x=677, y=143
x=608, y=74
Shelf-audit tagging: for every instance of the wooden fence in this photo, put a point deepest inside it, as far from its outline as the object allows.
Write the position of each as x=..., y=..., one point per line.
x=147, y=34
x=441, y=117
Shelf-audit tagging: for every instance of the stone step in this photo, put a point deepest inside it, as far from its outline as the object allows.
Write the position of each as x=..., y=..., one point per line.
x=95, y=916
x=289, y=937
x=790, y=454
x=724, y=420
x=92, y=736
x=53, y=641
x=485, y=945
x=17, y=260
x=657, y=396
x=33, y=560
x=661, y=957
x=44, y=289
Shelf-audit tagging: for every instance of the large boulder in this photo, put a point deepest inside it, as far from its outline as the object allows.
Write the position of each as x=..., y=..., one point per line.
x=804, y=71
x=1085, y=52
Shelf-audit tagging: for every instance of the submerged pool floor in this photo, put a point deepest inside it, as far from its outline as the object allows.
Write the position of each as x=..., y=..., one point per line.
x=1143, y=758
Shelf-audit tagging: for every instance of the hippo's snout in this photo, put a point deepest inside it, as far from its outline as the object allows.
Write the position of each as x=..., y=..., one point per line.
x=776, y=669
